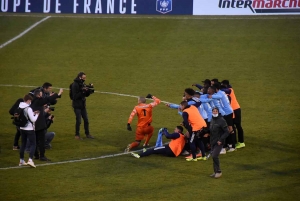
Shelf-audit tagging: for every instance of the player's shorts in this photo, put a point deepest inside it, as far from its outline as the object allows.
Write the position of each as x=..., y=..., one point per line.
x=142, y=131
x=229, y=119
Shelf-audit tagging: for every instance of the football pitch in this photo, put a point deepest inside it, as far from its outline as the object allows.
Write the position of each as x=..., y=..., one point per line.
x=129, y=57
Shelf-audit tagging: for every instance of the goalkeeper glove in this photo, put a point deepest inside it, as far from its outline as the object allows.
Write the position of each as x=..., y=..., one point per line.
x=149, y=96
x=129, y=127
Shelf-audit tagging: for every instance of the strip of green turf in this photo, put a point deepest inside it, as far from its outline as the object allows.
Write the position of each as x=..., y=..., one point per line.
x=13, y=26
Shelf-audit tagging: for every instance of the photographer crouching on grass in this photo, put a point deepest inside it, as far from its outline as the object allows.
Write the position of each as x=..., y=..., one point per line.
x=78, y=93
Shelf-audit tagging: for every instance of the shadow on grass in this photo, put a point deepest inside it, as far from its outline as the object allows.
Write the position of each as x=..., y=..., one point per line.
x=287, y=192
x=270, y=144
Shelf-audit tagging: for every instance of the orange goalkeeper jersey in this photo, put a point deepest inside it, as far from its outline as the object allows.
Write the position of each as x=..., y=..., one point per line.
x=144, y=113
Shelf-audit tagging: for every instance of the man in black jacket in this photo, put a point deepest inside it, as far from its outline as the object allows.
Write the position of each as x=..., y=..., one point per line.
x=38, y=103
x=46, y=92
x=18, y=133
x=218, y=134
x=79, y=93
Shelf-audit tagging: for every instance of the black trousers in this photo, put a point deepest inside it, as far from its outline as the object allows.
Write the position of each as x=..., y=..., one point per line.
x=81, y=113
x=17, y=137
x=165, y=150
x=237, y=122
x=30, y=135
x=40, y=141
x=216, y=149
x=194, y=142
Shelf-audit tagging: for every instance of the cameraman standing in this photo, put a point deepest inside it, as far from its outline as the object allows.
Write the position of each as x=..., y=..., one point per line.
x=79, y=92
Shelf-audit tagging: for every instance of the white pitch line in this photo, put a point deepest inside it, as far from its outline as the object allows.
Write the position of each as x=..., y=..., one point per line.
x=71, y=161
x=100, y=92
x=24, y=32
x=104, y=16
x=78, y=160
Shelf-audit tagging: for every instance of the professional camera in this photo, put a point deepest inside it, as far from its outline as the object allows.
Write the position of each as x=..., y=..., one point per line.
x=89, y=87
x=50, y=108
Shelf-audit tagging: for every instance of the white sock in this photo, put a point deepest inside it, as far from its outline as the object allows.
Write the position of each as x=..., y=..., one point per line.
x=21, y=160
x=29, y=160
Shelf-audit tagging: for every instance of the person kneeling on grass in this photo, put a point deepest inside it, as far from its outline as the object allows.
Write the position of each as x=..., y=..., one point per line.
x=173, y=149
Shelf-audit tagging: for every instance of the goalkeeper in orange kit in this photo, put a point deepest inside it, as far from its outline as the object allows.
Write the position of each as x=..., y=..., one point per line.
x=144, y=128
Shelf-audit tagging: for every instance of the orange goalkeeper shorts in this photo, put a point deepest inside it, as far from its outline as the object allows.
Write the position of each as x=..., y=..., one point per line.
x=142, y=131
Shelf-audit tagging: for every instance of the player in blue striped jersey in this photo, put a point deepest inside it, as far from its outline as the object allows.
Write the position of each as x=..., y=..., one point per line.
x=225, y=104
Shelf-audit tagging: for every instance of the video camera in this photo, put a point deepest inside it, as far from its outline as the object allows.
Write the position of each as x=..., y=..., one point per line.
x=89, y=87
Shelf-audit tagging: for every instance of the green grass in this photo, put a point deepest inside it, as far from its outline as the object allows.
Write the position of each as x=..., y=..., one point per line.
x=11, y=27
x=159, y=56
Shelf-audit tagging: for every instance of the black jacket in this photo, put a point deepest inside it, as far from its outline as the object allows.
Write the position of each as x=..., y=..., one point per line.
x=38, y=104
x=218, y=130
x=78, y=99
x=15, y=106
x=44, y=95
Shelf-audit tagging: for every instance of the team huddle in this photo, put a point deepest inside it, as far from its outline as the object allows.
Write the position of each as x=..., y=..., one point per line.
x=211, y=116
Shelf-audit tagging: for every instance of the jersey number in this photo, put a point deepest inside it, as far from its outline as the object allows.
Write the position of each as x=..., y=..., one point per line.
x=144, y=112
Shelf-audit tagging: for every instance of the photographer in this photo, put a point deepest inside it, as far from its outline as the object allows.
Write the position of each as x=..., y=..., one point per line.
x=46, y=92
x=27, y=132
x=18, y=132
x=40, y=125
x=49, y=135
x=78, y=93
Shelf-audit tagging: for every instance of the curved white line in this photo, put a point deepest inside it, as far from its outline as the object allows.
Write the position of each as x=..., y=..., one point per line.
x=78, y=160
x=100, y=92
x=24, y=32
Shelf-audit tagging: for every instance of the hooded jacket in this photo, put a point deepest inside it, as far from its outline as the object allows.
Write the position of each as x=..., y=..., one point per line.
x=29, y=115
x=218, y=130
x=79, y=100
